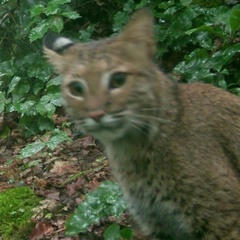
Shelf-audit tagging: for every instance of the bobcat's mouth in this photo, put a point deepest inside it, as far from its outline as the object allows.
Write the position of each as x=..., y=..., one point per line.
x=92, y=125
x=108, y=126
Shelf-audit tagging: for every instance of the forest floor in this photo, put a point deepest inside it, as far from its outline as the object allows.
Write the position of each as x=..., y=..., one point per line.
x=61, y=177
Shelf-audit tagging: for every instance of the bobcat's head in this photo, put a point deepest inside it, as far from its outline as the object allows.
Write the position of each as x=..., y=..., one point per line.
x=107, y=84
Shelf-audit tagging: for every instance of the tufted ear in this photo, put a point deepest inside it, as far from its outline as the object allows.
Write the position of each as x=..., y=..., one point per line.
x=53, y=47
x=137, y=38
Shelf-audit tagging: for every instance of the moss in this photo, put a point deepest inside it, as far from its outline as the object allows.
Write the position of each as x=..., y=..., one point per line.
x=15, y=213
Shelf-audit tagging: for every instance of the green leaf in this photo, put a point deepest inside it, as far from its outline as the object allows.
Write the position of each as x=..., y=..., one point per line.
x=21, y=90
x=112, y=232
x=85, y=34
x=45, y=123
x=14, y=82
x=45, y=109
x=53, y=98
x=39, y=31
x=196, y=67
x=205, y=28
x=59, y=2
x=55, y=81
x=71, y=15
x=53, y=6
x=27, y=107
x=37, y=10
x=186, y=3
x=60, y=136
x=205, y=41
x=32, y=149
x=7, y=68
x=234, y=20
x=224, y=56
x=127, y=233
x=103, y=202
x=52, y=9
x=37, y=87
x=36, y=70
x=120, y=19
x=56, y=24
x=2, y=101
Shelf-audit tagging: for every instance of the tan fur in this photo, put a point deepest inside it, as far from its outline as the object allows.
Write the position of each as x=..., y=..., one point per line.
x=174, y=149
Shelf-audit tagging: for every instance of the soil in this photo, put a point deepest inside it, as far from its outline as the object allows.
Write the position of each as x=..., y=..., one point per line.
x=61, y=177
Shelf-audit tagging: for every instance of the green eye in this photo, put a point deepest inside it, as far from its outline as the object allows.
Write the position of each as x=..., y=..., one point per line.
x=117, y=80
x=76, y=88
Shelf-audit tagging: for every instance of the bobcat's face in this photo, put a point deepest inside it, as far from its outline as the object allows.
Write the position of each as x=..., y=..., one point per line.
x=106, y=85
x=106, y=94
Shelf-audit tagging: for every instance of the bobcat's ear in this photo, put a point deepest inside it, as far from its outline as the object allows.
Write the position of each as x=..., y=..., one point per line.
x=53, y=47
x=138, y=34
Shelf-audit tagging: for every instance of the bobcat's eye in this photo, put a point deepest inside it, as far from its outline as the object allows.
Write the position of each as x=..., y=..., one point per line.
x=117, y=80
x=76, y=88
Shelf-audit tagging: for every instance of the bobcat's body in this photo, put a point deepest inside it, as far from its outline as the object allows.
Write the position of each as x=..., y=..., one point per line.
x=174, y=149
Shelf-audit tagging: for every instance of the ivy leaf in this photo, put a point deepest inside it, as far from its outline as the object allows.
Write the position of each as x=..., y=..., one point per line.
x=32, y=149
x=103, y=202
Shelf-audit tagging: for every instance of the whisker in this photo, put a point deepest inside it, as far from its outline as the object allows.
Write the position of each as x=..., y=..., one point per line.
x=162, y=120
x=140, y=123
x=153, y=109
x=135, y=124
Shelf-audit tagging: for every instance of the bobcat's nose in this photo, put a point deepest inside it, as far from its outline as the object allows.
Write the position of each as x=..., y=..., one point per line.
x=96, y=115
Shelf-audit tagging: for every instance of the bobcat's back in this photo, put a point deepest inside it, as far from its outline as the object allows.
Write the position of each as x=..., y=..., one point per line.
x=174, y=149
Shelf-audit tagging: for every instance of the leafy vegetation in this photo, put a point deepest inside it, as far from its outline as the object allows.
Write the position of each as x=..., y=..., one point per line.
x=197, y=41
x=99, y=204
x=200, y=44
x=16, y=212
x=28, y=87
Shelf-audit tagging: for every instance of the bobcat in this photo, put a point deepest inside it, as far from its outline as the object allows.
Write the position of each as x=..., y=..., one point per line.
x=173, y=148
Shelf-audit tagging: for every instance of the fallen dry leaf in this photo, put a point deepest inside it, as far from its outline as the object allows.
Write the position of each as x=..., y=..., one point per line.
x=52, y=194
x=40, y=230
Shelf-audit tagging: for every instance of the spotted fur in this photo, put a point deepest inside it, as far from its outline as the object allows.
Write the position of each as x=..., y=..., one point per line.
x=173, y=148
